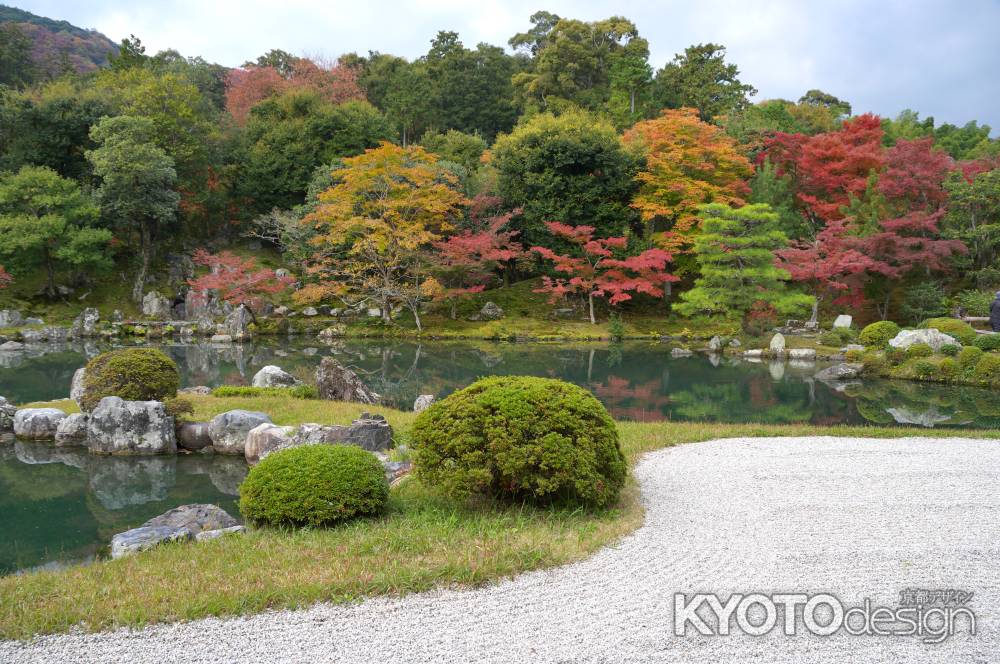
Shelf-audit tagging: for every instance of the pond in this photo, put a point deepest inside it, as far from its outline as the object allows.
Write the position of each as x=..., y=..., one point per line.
x=63, y=505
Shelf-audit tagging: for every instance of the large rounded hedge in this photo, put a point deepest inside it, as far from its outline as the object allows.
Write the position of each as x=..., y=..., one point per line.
x=314, y=485
x=522, y=438
x=988, y=342
x=134, y=374
x=878, y=334
x=965, y=333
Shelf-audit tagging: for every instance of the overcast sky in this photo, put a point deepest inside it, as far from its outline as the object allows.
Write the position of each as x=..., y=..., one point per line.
x=939, y=58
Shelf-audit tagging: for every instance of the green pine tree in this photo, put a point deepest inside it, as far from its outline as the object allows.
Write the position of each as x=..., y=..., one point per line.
x=735, y=255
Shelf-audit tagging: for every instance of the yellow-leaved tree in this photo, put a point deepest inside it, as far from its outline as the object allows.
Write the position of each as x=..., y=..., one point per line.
x=374, y=224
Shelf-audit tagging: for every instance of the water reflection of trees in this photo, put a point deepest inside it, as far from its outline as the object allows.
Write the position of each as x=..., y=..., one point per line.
x=922, y=404
x=64, y=503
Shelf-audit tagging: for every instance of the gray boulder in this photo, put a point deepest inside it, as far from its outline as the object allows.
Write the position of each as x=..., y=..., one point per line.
x=333, y=332
x=490, y=311
x=422, y=403
x=37, y=423
x=680, y=352
x=370, y=432
x=221, y=339
x=206, y=535
x=338, y=383
x=145, y=537
x=155, y=305
x=932, y=337
x=85, y=325
x=842, y=371
x=802, y=354
x=76, y=385
x=72, y=431
x=11, y=318
x=193, y=436
x=237, y=324
x=310, y=312
x=12, y=346
x=273, y=376
x=229, y=430
x=715, y=344
x=777, y=345
x=130, y=427
x=843, y=320
x=195, y=518
x=266, y=438
x=7, y=411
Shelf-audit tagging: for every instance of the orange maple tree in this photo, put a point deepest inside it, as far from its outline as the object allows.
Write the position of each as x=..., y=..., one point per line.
x=688, y=163
x=247, y=86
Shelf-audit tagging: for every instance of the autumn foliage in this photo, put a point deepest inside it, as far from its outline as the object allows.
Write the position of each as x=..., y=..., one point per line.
x=688, y=163
x=237, y=280
x=593, y=271
x=247, y=86
x=5, y=278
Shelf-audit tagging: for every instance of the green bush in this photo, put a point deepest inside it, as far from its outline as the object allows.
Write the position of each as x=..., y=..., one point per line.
x=297, y=392
x=878, y=334
x=969, y=357
x=179, y=408
x=838, y=336
x=895, y=356
x=950, y=350
x=959, y=329
x=924, y=368
x=521, y=438
x=988, y=368
x=919, y=350
x=874, y=362
x=854, y=355
x=314, y=485
x=948, y=368
x=134, y=374
x=987, y=342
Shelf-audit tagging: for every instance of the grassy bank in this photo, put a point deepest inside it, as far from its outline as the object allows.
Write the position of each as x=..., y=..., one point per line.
x=424, y=541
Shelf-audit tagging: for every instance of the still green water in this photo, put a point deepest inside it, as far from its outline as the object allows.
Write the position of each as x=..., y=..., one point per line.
x=64, y=505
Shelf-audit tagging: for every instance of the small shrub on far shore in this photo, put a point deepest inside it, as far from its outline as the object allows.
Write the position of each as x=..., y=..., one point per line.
x=919, y=350
x=838, y=336
x=948, y=368
x=988, y=368
x=878, y=334
x=950, y=350
x=314, y=485
x=988, y=342
x=923, y=368
x=969, y=357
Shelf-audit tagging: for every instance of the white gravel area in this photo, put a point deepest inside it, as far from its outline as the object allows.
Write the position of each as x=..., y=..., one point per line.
x=858, y=518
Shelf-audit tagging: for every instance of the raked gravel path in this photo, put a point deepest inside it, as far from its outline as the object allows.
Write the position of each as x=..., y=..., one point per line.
x=857, y=518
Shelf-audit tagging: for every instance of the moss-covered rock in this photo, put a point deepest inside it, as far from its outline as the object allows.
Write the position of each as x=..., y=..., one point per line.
x=134, y=374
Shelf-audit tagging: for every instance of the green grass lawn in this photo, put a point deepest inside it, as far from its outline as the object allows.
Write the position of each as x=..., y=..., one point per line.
x=423, y=541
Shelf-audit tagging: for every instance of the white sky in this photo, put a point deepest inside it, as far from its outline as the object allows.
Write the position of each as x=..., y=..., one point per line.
x=939, y=58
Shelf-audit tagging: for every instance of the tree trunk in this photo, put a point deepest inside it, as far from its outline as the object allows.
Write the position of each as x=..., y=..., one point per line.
x=815, y=312
x=50, y=270
x=145, y=249
x=631, y=102
x=415, y=308
x=590, y=304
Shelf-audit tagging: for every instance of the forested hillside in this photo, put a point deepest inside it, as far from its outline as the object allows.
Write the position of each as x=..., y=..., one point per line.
x=564, y=156
x=52, y=47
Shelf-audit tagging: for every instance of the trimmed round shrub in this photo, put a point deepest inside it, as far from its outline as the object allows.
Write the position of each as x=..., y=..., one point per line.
x=521, y=438
x=919, y=350
x=950, y=350
x=874, y=362
x=314, y=485
x=988, y=368
x=838, y=336
x=987, y=342
x=965, y=333
x=134, y=374
x=878, y=334
x=924, y=368
x=854, y=355
x=948, y=368
x=895, y=356
x=969, y=357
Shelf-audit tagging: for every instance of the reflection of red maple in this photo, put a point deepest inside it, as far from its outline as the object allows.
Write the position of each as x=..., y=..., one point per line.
x=616, y=393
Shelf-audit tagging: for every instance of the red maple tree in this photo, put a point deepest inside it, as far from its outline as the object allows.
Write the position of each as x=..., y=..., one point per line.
x=247, y=86
x=5, y=278
x=237, y=280
x=471, y=260
x=595, y=272
x=914, y=174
